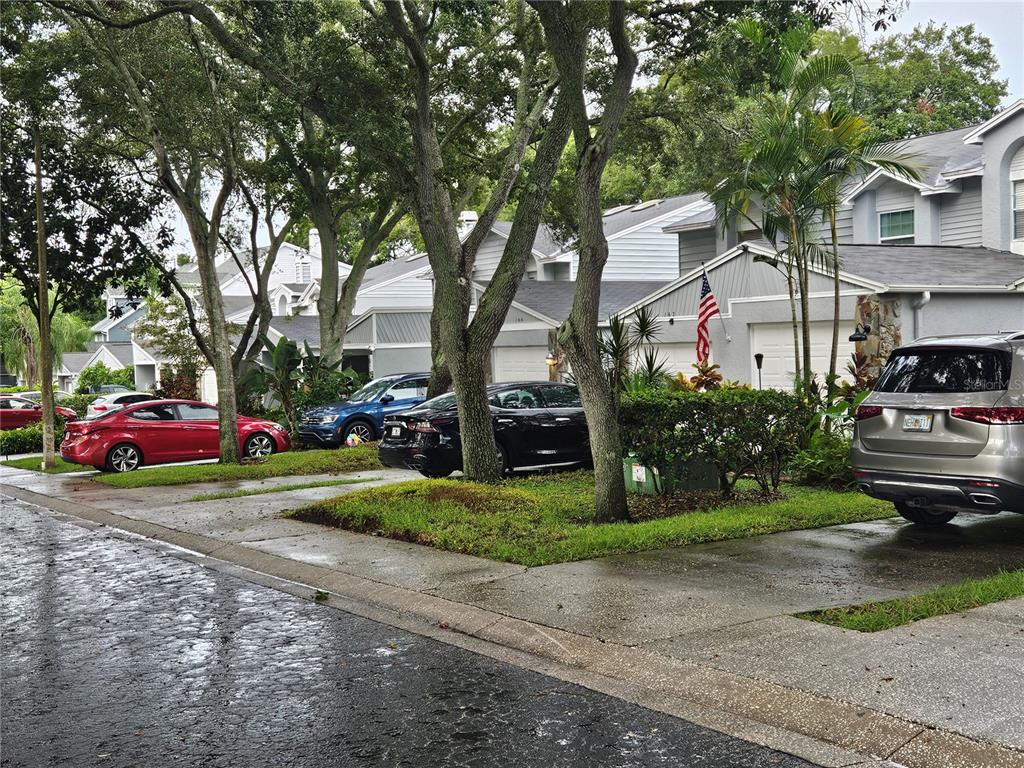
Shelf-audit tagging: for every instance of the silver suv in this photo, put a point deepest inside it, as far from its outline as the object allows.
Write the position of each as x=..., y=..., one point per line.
x=943, y=430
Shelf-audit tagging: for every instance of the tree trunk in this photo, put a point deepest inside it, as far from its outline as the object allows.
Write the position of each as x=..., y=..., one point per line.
x=835, y=308
x=567, y=29
x=794, y=320
x=204, y=241
x=805, y=322
x=45, y=351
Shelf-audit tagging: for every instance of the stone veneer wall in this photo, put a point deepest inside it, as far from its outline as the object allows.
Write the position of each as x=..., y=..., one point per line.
x=883, y=315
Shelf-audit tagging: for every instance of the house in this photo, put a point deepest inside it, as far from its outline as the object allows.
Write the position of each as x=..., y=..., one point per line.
x=941, y=255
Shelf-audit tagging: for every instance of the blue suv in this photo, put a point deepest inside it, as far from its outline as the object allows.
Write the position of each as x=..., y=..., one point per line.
x=363, y=413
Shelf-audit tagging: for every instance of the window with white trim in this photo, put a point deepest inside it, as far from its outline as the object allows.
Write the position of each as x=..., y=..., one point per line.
x=896, y=227
x=1018, y=210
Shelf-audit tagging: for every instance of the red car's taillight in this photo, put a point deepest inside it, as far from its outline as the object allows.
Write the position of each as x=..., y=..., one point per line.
x=867, y=412
x=99, y=407
x=989, y=415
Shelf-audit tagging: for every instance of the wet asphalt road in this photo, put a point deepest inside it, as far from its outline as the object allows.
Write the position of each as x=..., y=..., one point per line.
x=118, y=655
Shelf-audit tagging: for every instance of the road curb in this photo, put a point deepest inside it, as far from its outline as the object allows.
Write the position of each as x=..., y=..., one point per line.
x=823, y=730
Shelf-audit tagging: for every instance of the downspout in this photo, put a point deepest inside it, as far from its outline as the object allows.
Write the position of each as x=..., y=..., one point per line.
x=917, y=305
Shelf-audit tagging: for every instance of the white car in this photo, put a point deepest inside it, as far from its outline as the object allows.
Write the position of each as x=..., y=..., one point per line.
x=114, y=401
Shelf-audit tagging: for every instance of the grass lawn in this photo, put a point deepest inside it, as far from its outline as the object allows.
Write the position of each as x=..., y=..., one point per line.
x=886, y=614
x=321, y=462
x=544, y=519
x=279, y=488
x=34, y=462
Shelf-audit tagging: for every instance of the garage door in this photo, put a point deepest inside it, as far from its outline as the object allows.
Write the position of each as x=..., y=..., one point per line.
x=678, y=357
x=520, y=364
x=775, y=342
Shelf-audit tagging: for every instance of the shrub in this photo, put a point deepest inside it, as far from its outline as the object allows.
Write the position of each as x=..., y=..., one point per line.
x=78, y=403
x=13, y=390
x=177, y=386
x=825, y=462
x=738, y=430
x=29, y=439
x=96, y=375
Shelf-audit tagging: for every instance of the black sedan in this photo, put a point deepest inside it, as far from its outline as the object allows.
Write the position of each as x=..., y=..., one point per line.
x=536, y=424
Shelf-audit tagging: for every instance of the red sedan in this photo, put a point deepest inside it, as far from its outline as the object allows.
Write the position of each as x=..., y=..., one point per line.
x=18, y=412
x=163, y=431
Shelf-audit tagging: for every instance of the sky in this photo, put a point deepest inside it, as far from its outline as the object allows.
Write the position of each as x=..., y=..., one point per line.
x=1002, y=21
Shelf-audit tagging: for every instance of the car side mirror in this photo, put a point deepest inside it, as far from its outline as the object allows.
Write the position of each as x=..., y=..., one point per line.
x=386, y=399
x=37, y=407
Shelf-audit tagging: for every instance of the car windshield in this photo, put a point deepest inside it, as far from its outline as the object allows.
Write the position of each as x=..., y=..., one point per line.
x=439, y=403
x=371, y=391
x=948, y=370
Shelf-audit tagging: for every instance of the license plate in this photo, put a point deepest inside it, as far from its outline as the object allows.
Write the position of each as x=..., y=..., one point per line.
x=917, y=422
x=396, y=431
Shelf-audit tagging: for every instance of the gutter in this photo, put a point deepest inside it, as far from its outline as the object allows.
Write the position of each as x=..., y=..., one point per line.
x=917, y=305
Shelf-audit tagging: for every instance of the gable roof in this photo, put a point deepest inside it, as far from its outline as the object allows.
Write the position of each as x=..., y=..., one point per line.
x=933, y=267
x=552, y=299
x=624, y=218
x=74, y=362
x=941, y=158
x=297, y=328
x=381, y=274
x=545, y=244
x=974, y=136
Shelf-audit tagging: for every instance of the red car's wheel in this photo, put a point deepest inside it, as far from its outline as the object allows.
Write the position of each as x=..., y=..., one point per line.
x=259, y=445
x=124, y=458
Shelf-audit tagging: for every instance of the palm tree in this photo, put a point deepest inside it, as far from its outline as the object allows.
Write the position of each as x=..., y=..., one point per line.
x=804, y=141
x=842, y=135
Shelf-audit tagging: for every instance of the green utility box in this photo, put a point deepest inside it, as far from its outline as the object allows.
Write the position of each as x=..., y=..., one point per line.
x=692, y=475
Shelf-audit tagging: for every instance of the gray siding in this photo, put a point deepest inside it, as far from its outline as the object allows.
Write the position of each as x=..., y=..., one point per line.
x=894, y=196
x=949, y=313
x=696, y=247
x=961, y=215
x=400, y=360
x=844, y=227
x=403, y=327
x=361, y=334
x=740, y=277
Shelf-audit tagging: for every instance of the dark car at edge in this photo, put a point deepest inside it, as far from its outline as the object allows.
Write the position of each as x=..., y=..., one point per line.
x=536, y=424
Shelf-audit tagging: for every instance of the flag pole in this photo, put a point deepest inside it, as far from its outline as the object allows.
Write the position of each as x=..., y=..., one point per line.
x=721, y=319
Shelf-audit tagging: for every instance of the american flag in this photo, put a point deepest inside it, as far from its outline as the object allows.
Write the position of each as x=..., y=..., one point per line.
x=707, y=309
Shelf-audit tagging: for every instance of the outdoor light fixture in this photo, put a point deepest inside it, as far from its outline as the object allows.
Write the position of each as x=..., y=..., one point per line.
x=758, y=361
x=860, y=332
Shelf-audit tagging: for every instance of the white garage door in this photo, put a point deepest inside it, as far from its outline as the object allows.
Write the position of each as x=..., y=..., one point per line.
x=520, y=364
x=775, y=342
x=677, y=357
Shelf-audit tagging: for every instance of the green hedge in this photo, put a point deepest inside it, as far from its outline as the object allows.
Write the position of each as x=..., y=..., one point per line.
x=78, y=403
x=29, y=439
x=740, y=431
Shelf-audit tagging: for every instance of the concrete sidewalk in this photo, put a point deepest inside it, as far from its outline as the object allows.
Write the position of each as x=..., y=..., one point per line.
x=701, y=631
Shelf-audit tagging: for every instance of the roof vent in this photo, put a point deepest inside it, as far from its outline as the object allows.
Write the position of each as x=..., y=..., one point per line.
x=617, y=209
x=647, y=204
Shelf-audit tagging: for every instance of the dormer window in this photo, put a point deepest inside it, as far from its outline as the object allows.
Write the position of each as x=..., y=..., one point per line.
x=1018, y=210
x=896, y=227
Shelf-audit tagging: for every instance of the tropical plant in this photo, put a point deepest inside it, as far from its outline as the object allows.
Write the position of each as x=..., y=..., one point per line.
x=630, y=360
x=281, y=377
x=19, y=333
x=802, y=143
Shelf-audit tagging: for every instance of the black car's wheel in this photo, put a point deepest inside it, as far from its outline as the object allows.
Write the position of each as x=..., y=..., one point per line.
x=503, y=466
x=124, y=458
x=259, y=445
x=360, y=428
x=435, y=475
x=924, y=515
